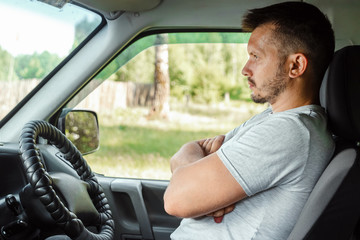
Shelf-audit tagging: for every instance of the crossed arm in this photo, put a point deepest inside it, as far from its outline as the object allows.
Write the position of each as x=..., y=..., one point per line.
x=201, y=184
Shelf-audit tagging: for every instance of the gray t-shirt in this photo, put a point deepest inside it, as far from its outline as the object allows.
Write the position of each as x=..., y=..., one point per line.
x=276, y=158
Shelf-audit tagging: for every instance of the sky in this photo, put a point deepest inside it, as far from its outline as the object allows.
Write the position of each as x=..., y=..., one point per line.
x=24, y=33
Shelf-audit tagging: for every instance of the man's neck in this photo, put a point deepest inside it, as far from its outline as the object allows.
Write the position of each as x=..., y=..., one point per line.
x=290, y=99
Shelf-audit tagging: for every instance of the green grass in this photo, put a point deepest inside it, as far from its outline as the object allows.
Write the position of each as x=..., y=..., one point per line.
x=133, y=146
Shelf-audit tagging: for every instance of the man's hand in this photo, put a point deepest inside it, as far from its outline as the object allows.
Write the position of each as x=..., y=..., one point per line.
x=194, y=151
x=219, y=214
x=211, y=145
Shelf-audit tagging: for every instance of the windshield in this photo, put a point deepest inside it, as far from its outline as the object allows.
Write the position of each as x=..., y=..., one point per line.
x=34, y=38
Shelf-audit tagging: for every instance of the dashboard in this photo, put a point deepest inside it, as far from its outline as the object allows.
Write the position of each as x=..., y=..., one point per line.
x=13, y=220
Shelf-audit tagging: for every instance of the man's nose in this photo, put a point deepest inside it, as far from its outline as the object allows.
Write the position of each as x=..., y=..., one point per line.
x=246, y=70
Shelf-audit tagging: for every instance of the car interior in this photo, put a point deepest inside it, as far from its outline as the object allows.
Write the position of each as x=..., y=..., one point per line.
x=49, y=190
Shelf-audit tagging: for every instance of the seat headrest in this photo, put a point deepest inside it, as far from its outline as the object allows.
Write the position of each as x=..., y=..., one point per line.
x=340, y=93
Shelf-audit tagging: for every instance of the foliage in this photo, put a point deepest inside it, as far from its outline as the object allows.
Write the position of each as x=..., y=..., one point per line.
x=203, y=66
x=6, y=60
x=139, y=71
x=36, y=65
x=27, y=66
x=206, y=72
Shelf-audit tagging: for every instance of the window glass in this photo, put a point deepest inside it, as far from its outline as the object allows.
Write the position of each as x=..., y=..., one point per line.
x=163, y=91
x=35, y=37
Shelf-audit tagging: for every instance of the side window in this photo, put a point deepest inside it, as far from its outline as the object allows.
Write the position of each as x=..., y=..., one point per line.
x=163, y=91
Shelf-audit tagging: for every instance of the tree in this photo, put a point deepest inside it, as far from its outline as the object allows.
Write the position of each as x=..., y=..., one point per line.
x=36, y=65
x=160, y=106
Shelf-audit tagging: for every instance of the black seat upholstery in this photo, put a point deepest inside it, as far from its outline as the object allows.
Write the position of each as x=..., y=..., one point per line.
x=333, y=208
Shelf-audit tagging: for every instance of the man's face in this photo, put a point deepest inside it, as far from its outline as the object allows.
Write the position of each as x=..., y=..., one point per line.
x=266, y=74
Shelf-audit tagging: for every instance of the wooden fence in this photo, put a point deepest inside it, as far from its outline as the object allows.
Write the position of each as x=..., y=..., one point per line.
x=108, y=96
x=12, y=92
x=112, y=95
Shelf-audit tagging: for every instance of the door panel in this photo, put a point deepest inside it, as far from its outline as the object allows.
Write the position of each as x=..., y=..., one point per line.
x=137, y=207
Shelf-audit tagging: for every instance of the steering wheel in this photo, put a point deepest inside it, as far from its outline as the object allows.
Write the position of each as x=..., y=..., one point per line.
x=75, y=192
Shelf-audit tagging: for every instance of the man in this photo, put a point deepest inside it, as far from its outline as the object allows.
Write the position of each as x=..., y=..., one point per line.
x=253, y=182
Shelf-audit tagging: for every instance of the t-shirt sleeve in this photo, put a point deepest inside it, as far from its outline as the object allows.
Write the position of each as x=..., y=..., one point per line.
x=233, y=132
x=267, y=155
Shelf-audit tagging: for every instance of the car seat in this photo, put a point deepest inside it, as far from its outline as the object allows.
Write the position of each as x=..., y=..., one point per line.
x=333, y=208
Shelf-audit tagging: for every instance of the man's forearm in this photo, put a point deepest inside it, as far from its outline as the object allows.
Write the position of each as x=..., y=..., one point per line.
x=197, y=185
x=188, y=153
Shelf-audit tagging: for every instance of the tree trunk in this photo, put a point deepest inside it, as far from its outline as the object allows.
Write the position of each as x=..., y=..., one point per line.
x=160, y=106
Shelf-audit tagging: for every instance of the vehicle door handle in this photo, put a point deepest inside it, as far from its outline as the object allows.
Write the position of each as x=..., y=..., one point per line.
x=134, y=190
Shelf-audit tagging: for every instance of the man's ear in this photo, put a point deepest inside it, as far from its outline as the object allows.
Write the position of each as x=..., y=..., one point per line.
x=298, y=64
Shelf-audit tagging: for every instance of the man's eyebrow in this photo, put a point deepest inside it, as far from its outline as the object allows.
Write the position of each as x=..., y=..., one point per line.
x=255, y=52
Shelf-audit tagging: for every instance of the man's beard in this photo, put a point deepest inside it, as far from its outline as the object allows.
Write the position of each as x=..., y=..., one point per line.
x=272, y=89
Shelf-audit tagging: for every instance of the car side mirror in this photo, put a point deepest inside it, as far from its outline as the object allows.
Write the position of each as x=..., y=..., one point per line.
x=81, y=128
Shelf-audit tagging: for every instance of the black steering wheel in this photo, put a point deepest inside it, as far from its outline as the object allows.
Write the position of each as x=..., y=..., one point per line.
x=75, y=192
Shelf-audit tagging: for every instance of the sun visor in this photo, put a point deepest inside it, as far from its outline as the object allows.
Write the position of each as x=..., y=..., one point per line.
x=121, y=5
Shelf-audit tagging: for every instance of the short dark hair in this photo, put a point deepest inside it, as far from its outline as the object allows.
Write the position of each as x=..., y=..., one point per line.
x=299, y=27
